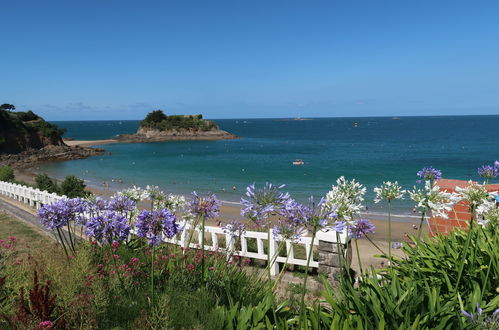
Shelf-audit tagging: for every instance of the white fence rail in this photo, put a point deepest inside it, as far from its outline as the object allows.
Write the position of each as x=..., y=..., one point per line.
x=36, y=198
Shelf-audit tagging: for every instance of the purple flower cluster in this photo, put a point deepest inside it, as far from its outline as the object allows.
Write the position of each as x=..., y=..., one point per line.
x=262, y=202
x=206, y=206
x=316, y=215
x=429, y=174
x=60, y=213
x=108, y=227
x=234, y=228
x=288, y=230
x=121, y=204
x=156, y=225
x=491, y=322
x=360, y=228
x=489, y=172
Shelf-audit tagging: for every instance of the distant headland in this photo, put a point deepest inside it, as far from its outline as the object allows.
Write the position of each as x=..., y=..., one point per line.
x=157, y=126
x=26, y=139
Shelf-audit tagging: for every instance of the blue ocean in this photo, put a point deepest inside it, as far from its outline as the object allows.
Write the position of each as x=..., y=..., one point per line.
x=370, y=150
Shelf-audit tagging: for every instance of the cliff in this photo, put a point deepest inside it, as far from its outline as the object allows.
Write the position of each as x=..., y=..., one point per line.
x=21, y=131
x=159, y=127
x=26, y=139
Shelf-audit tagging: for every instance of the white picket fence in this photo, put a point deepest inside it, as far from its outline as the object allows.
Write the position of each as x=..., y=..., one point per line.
x=36, y=198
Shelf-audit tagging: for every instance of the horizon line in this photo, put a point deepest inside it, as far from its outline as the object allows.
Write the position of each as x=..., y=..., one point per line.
x=300, y=117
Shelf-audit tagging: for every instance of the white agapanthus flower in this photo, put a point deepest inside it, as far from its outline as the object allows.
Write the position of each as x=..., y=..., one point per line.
x=487, y=212
x=345, y=198
x=172, y=202
x=431, y=198
x=389, y=191
x=474, y=193
x=134, y=193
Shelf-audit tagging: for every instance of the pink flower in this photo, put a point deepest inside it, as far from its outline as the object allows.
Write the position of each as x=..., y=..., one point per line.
x=164, y=257
x=6, y=246
x=115, y=256
x=13, y=239
x=100, y=266
x=70, y=257
x=45, y=325
x=190, y=267
x=211, y=268
x=115, y=245
x=134, y=260
x=112, y=272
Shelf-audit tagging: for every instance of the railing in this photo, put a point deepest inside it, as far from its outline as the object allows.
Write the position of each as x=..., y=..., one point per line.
x=238, y=246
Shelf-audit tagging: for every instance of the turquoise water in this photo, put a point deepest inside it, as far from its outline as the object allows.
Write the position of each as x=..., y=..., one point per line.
x=378, y=149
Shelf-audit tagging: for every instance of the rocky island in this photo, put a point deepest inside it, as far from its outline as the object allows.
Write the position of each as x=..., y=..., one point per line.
x=157, y=127
x=26, y=139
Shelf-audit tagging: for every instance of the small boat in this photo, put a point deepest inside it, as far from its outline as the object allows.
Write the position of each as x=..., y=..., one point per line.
x=355, y=124
x=395, y=118
x=298, y=162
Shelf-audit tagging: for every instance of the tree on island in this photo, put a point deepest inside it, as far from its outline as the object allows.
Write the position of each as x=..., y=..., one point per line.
x=7, y=107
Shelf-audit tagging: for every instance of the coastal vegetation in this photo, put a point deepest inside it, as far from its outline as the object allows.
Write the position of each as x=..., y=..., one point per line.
x=113, y=269
x=71, y=186
x=24, y=130
x=157, y=120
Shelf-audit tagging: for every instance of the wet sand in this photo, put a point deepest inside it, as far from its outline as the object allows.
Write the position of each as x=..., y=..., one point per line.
x=89, y=143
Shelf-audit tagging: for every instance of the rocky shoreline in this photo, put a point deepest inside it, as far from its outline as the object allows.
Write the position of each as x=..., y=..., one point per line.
x=150, y=135
x=30, y=157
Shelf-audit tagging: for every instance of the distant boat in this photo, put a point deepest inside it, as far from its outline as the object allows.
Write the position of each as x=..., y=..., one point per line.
x=298, y=162
x=355, y=124
x=395, y=118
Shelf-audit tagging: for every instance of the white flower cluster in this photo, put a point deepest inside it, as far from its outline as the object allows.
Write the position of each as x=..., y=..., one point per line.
x=172, y=202
x=474, y=193
x=345, y=199
x=487, y=212
x=135, y=193
x=389, y=191
x=431, y=198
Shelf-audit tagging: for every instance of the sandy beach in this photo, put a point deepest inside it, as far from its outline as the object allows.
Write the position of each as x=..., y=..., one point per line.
x=89, y=143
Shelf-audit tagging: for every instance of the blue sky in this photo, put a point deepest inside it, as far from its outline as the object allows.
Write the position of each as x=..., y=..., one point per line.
x=118, y=59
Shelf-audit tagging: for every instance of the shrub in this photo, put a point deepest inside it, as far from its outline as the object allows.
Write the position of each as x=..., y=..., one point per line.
x=73, y=187
x=44, y=182
x=47, y=129
x=7, y=174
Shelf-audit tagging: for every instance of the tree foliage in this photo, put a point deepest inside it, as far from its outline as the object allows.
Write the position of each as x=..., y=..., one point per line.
x=7, y=174
x=44, y=182
x=73, y=187
x=158, y=120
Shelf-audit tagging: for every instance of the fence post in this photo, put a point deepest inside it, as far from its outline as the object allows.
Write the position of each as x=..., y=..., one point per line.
x=330, y=260
x=273, y=247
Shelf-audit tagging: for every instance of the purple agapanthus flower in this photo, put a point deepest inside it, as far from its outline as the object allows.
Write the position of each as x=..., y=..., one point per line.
x=264, y=201
x=156, y=225
x=488, y=172
x=108, y=227
x=490, y=322
x=288, y=230
x=361, y=228
x=234, y=228
x=316, y=215
x=55, y=215
x=206, y=206
x=59, y=213
x=429, y=173
x=121, y=204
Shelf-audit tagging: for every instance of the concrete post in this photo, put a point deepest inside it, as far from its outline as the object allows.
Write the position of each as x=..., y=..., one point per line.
x=330, y=259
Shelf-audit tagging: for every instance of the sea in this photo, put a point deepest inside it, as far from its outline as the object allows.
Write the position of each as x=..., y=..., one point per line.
x=369, y=150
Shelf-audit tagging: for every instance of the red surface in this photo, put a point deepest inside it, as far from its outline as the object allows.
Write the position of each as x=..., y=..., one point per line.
x=460, y=215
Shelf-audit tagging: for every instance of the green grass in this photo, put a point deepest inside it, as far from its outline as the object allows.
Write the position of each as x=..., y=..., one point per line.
x=27, y=236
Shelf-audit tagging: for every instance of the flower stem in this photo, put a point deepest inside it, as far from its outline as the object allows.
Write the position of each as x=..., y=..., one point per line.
x=421, y=224
x=465, y=251
x=283, y=267
x=304, y=289
x=358, y=255
x=62, y=241
x=268, y=250
x=202, y=246
x=116, y=268
x=152, y=274
x=389, y=233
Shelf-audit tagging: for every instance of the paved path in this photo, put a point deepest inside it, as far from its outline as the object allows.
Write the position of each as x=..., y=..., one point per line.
x=24, y=213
